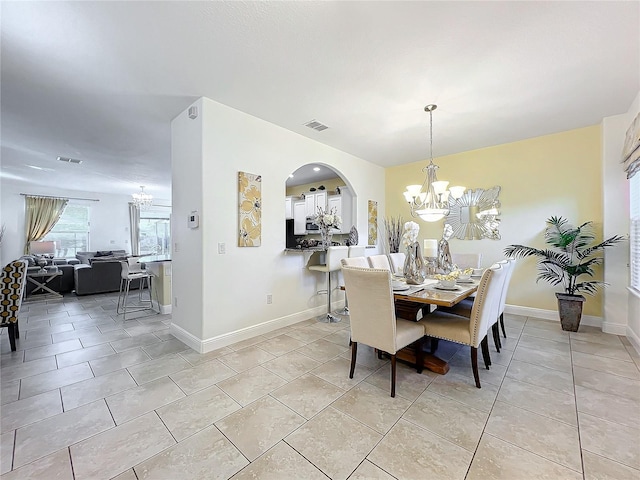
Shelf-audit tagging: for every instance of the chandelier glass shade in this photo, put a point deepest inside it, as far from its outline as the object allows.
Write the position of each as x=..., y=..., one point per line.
x=142, y=199
x=430, y=201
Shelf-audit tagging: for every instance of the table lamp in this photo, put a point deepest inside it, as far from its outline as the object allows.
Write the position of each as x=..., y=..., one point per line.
x=42, y=248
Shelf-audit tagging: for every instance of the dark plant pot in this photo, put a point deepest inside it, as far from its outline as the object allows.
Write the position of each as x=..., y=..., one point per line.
x=570, y=309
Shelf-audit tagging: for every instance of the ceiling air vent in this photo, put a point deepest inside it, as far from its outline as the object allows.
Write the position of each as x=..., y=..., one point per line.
x=316, y=125
x=69, y=160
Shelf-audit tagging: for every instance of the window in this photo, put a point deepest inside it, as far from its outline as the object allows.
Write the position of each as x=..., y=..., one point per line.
x=71, y=233
x=155, y=231
x=634, y=190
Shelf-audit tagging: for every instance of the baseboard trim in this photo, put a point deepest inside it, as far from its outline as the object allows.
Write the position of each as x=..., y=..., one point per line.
x=226, y=339
x=163, y=309
x=614, y=328
x=185, y=337
x=590, y=320
x=633, y=339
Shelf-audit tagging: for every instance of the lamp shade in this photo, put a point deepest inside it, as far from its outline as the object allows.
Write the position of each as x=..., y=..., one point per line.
x=42, y=248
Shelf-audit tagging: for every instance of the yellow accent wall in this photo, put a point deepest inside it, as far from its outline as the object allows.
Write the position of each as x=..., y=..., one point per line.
x=330, y=186
x=557, y=174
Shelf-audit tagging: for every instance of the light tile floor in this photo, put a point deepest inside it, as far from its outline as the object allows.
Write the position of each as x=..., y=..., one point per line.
x=90, y=396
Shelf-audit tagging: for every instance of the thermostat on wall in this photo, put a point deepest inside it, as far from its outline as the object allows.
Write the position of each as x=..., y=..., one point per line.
x=194, y=219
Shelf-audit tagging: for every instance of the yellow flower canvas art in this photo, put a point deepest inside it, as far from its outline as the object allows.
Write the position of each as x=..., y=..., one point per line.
x=250, y=209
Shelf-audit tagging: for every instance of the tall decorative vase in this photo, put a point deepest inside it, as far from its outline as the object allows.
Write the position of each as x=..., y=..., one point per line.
x=414, y=268
x=326, y=237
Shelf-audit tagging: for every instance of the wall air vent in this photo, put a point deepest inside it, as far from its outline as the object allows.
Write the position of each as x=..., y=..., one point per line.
x=69, y=160
x=315, y=125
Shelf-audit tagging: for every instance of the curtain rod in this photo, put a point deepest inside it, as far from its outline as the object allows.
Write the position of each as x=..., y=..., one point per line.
x=67, y=198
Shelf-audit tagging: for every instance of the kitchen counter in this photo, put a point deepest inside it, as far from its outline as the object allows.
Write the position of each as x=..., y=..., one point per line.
x=315, y=249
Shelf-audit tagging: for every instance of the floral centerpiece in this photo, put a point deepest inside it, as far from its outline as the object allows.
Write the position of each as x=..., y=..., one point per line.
x=410, y=235
x=414, y=271
x=327, y=220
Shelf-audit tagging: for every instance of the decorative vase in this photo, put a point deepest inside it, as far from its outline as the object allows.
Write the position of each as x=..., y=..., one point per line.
x=353, y=236
x=414, y=271
x=570, y=310
x=326, y=237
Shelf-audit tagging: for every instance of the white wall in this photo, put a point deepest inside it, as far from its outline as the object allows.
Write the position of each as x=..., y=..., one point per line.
x=622, y=305
x=616, y=222
x=235, y=285
x=109, y=218
x=187, y=252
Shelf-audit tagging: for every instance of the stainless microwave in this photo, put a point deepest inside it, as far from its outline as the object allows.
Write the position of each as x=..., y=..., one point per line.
x=311, y=225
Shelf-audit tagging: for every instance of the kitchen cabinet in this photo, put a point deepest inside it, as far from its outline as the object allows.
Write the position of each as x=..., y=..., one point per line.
x=288, y=208
x=343, y=203
x=313, y=200
x=299, y=217
x=335, y=202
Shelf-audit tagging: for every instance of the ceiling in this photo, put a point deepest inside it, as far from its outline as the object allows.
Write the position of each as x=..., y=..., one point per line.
x=101, y=81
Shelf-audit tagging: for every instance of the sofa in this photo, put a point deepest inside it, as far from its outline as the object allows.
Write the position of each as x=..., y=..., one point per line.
x=99, y=272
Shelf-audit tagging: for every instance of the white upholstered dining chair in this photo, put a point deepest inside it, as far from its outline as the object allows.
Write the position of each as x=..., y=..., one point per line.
x=466, y=260
x=373, y=318
x=355, y=258
x=464, y=307
x=471, y=331
x=379, y=261
x=361, y=262
x=397, y=262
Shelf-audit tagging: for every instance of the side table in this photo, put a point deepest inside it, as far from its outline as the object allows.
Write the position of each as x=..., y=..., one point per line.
x=41, y=279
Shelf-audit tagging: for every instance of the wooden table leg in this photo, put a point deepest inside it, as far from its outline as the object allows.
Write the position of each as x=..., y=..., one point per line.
x=431, y=362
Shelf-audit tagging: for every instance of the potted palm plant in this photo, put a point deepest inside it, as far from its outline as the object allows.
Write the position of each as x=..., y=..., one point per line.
x=574, y=253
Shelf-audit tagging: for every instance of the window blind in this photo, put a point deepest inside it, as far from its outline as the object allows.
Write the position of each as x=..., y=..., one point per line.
x=634, y=239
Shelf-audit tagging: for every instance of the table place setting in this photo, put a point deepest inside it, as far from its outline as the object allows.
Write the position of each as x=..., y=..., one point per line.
x=405, y=289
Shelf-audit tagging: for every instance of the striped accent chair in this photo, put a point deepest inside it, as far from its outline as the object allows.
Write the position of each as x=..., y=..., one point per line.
x=14, y=276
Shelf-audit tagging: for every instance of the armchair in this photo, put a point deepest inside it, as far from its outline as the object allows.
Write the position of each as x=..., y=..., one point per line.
x=14, y=276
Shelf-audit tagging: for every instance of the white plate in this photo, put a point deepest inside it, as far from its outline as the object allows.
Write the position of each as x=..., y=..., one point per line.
x=440, y=287
x=401, y=288
x=464, y=281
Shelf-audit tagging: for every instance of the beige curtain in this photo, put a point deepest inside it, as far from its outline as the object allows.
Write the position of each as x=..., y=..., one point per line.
x=134, y=227
x=42, y=215
x=631, y=149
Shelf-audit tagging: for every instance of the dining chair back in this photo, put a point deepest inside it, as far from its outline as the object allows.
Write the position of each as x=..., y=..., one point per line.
x=466, y=260
x=397, y=262
x=333, y=263
x=510, y=264
x=361, y=262
x=379, y=261
x=373, y=319
x=13, y=279
x=471, y=331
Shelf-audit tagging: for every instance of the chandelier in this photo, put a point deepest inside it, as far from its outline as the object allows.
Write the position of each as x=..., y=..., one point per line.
x=142, y=200
x=430, y=201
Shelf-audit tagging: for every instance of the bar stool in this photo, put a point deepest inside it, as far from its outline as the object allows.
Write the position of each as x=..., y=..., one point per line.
x=333, y=263
x=129, y=273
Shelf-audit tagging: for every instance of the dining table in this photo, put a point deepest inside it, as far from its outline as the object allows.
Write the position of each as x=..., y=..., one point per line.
x=412, y=299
